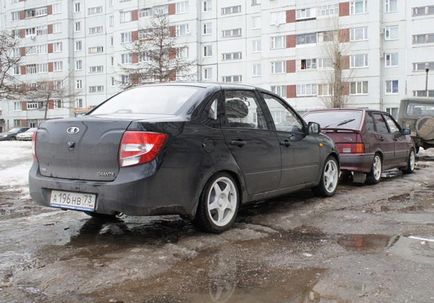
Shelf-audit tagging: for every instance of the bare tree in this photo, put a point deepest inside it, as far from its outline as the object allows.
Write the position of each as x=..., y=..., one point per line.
x=9, y=59
x=336, y=50
x=156, y=55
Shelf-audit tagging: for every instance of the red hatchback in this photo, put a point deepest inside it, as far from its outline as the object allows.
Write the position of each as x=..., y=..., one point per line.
x=368, y=141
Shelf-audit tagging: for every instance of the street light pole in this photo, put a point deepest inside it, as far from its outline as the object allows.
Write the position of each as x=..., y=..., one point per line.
x=426, y=80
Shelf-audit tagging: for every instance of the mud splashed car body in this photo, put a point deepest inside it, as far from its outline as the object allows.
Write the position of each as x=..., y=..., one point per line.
x=198, y=150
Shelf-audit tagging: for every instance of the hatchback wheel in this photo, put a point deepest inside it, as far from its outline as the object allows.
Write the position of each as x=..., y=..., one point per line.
x=377, y=168
x=218, y=204
x=329, y=178
x=411, y=163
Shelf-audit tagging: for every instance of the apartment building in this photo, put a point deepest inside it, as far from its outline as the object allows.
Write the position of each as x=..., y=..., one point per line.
x=285, y=46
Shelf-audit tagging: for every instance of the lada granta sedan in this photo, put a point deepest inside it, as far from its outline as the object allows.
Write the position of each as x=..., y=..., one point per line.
x=197, y=150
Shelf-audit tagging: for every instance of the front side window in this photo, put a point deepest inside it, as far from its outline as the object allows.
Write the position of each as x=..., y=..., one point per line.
x=242, y=110
x=380, y=124
x=284, y=119
x=393, y=126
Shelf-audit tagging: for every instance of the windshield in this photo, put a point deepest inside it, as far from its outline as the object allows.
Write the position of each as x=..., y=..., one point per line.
x=14, y=130
x=420, y=109
x=349, y=119
x=148, y=100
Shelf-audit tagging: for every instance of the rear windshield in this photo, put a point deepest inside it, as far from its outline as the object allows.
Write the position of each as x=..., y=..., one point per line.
x=420, y=109
x=336, y=119
x=148, y=100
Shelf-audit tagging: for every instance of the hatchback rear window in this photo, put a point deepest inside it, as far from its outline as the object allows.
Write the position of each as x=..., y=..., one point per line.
x=336, y=119
x=148, y=100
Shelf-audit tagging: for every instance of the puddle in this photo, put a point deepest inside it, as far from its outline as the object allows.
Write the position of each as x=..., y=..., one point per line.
x=222, y=277
x=366, y=243
x=415, y=249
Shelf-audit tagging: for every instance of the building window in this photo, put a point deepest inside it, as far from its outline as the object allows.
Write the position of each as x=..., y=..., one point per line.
x=305, y=13
x=359, y=61
x=96, y=69
x=392, y=86
x=231, y=10
x=422, y=93
x=328, y=10
x=359, y=33
x=359, y=88
x=57, y=28
x=58, y=66
x=207, y=50
x=278, y=67
x=42, y=30
x=79, y=102
x=78, y=45
x=78, y=26
x=145, y=12
x=306, y=90
x=308, y=64
x=15, y=16
x=393, y=111
x=421, y=66
x=78, y=84
x=256, y=45
x=77, y=7
x=423, y=11
x=182, y=30
x=257, y=70
x=358, y=7
x=126, y=58
x=325, y=90
x=279, y=90
x=78, y=65
x=57, y=47
x=94, y=10
x=17, y=105
x=278, y=18
x=207, y=73
x=32, y=105
x=391, y=59
x=236, y=32
x=96, y=50
x=390, y=6
x=206, y=5
x=181, y=7
x=391, y=32
x=232, y=79
x=306, y=38
x=256, y=2
x=126, y=37
x=423, y=39
x=256, y=22
x=96, y=89
x=278, y=42
x=160, y=10
x=231, y=56
x=96, y=30
x=207, y=28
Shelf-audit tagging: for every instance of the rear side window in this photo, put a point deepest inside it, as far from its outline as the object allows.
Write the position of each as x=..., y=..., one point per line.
x=370, y=123
x=148, y=100
x=380, y=124
x=242, y=110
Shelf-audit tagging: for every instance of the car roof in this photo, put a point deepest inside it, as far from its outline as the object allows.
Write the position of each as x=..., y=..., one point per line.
x=210, y=85
x=347, y=109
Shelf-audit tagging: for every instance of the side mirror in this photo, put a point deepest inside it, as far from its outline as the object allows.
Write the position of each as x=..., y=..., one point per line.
x=313, y=128
x=406, y=131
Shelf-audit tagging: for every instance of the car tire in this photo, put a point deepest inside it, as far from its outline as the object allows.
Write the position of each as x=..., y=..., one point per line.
x=411, y=163
x=218, y=205
x=329, y=178
x=374, y=176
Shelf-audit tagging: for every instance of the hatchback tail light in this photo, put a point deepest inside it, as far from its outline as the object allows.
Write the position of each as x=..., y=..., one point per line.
x=34, y=136
x=351, y=148
x=140, y=147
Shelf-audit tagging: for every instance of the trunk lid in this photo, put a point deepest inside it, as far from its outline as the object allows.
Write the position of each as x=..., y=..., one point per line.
x=84, y=148
x=347, y=141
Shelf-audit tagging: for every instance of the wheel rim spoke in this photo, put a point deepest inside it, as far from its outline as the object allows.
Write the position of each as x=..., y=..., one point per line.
x=222, y=201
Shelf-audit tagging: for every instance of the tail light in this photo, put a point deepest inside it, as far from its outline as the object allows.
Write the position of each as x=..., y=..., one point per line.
x=140, y=147
x=351, y=148
x=34, y=135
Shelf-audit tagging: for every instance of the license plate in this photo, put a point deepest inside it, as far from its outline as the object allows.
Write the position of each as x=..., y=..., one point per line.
x=72, y=200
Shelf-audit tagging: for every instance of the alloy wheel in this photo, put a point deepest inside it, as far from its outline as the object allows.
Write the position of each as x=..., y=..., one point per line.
x=331, y=176
x=222, y=201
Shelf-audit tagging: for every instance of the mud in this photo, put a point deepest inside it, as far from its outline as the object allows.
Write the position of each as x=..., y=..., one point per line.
x=366, y=244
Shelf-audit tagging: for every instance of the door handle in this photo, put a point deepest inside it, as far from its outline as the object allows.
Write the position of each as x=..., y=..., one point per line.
x=381, y=138
x=238, y=142
x=286, y=143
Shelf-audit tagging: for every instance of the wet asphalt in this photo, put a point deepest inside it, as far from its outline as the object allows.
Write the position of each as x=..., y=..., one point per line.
x=366, y=244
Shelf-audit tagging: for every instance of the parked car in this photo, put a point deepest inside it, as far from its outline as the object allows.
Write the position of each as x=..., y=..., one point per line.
x=368, y=141
x=27, y=135
x=198, y=150
x=417, y=114
x=12, y=134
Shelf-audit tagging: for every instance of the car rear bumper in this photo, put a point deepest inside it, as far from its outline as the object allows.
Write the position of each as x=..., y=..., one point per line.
x=135, y=191
x=356, y=162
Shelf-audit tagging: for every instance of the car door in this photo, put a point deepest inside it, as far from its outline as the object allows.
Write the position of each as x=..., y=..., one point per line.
x=300, y=152
x=401, y=144
x=251, y=140
x=385, y=140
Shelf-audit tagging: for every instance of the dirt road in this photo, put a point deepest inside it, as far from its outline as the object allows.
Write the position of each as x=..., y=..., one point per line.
x=366, y=244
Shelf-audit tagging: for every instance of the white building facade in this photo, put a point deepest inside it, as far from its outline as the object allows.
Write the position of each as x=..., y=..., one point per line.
x=280, y=45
